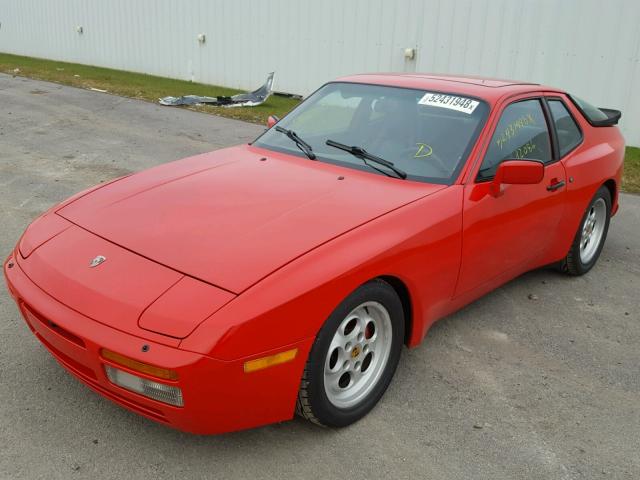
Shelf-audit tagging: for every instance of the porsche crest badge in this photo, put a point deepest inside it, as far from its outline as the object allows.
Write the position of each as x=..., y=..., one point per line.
x=97, y=261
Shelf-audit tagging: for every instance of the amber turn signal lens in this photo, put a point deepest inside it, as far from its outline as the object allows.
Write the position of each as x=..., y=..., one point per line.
x=270, y=361
x=152, y=370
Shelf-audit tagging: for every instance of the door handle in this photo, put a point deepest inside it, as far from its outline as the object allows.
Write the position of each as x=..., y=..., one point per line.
x=555, y=186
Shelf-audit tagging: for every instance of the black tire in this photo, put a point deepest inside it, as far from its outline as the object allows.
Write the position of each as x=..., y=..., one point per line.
x=313, y=402
x=573, y=264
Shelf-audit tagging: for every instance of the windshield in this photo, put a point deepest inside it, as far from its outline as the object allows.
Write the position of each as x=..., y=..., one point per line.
x=426, y=134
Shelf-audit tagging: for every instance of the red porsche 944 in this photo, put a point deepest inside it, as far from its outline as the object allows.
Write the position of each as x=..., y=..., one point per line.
x=235, y=288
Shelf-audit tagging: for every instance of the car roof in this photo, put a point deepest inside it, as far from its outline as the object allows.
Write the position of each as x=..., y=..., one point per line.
x=490, y=89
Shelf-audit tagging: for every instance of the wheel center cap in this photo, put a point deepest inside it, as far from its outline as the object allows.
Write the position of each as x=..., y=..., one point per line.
x=355, y=352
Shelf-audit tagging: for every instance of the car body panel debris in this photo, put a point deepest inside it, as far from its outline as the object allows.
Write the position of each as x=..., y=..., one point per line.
x=250, y=99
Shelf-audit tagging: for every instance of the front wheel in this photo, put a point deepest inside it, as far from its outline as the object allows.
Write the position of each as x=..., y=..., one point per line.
x=353, y=357
x=591, y=234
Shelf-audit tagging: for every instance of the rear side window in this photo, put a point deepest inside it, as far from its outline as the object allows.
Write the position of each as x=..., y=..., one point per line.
x=569, y=135
x=522, y=133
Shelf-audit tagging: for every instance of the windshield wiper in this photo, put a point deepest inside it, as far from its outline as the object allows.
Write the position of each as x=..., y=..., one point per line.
x=364, y=155
x=302, y=145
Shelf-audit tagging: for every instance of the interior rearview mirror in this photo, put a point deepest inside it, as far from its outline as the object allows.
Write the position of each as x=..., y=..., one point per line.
x=517, y=172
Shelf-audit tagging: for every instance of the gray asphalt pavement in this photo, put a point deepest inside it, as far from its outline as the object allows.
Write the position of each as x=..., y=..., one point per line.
x=538, y=380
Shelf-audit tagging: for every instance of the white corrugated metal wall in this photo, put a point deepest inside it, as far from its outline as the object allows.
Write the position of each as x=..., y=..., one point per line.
x=589, y=47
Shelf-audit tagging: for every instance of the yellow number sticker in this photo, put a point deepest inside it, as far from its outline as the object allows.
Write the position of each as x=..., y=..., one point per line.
x=424, y=150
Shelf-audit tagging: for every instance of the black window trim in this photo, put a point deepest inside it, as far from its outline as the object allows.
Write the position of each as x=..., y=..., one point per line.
x=550, y=129
x=561, y=100
x=553, y=135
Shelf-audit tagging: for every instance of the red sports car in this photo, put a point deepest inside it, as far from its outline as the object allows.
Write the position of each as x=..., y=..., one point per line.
x=235, y=288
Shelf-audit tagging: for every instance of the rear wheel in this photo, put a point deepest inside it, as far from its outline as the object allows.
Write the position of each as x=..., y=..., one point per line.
x=591, y=235
x=353, y=357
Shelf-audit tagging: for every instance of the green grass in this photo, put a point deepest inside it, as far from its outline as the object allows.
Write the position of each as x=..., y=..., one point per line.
x=140, y=86
x=631, y=175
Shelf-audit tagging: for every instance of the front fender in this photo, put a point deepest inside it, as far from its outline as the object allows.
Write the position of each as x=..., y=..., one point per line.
x=419, y=244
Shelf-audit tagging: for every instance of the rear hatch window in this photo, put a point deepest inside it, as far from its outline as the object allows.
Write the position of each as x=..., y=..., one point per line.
x=598, y=117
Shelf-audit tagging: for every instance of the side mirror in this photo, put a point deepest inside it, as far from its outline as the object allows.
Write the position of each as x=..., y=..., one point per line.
x=517, y=172
x=272, y=120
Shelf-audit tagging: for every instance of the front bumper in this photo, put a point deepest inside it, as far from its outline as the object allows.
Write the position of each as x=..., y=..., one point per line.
x=218, y=395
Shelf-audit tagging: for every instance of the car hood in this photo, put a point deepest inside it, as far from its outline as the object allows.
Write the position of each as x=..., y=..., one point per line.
x=231, y=217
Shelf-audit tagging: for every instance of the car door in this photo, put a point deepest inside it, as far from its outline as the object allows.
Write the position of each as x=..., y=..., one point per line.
x=507, y=234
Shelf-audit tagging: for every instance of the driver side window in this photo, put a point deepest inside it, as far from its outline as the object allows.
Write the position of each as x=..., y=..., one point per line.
x=521, y=133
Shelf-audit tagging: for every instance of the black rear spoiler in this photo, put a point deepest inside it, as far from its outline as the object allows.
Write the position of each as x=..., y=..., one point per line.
x=613, y=117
